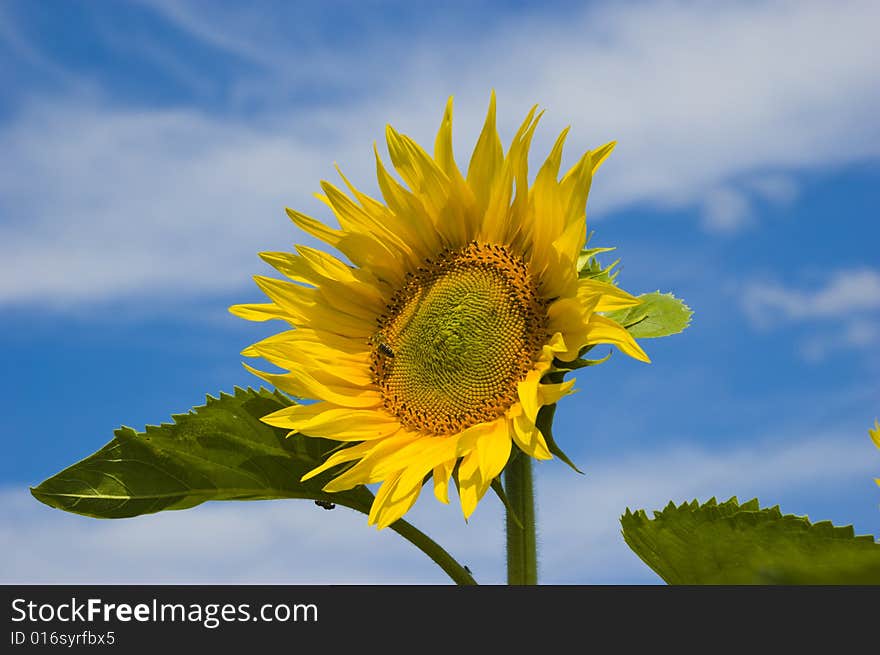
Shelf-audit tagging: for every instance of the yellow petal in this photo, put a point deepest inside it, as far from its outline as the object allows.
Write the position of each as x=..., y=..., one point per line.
x=415, y=219
x=503, y=219
x=442, y=473
x=527, y=390
x=547, y=179
x=370, y=205
x=393, y=500
x=529, y=438
x=371, y=453
x=443, y=145
x=309, y=354
x=604, y=330
x=575, y=187
x=314, y=227
x=570, y=243
x=324, y=364
x=494, y=450
x=421, y=173
x=303, y=385
x=610, y=297
x=550, y=394
x=338, y=423
x=259, y=311
x=277, y=338
x=419, y=456
x=469, y=483
x=445, y=199
x=600, y=154
x=336, y=345
x=362, y=249
x=569, y=319
x=353, y=218
x=485, y=164
x=304, y=305
x=432, y=454
x=339, y=457
x=548, y=210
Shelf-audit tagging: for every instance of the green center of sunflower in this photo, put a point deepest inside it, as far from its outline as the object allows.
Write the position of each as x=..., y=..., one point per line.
x=457, y=338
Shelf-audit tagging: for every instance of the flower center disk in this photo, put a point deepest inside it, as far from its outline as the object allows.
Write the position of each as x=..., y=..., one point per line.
x=456, y=339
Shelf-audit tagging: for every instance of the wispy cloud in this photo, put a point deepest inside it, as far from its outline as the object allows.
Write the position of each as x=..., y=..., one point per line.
x=295, y=542
x=844, y=293
x=842, y=311
x=104, y=201
x=860, y=334
x=216, y=28
x=23, y=49
x=113, y=203
x=731, y=208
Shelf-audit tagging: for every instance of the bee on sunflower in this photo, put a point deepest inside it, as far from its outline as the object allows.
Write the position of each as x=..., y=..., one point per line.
x=433, y=349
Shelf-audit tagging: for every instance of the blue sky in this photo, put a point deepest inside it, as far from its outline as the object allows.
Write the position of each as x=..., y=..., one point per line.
x=149, y=151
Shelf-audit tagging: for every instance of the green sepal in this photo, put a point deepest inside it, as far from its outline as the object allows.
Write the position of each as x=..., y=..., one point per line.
x=658, y=315
x=545, y=421
x=217, y=451
x=580, y=362
x=588, y=265
x=498, y=488
x=729, y=543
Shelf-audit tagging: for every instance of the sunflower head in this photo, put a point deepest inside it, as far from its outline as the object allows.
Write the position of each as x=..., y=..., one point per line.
x=431, y=350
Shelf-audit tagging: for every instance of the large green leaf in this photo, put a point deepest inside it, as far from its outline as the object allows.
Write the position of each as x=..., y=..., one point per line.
x=219, y=451
x=658, y=315
x=729, y=543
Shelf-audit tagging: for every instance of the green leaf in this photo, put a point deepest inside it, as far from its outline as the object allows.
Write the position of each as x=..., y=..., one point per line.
x=545, y=424
x=588, y=265
x=658, y=315
x=729, y=543
x=544, y=420
x=219, y=451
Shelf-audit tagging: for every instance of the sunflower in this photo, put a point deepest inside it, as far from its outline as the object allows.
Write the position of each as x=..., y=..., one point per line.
x=430, y=351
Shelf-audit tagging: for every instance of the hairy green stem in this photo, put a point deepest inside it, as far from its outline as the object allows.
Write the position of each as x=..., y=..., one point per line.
x=522, y=545
x=459, y=574
x=522, y=551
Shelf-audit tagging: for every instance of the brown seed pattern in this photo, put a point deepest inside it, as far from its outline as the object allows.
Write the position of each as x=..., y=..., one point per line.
x=457, y=337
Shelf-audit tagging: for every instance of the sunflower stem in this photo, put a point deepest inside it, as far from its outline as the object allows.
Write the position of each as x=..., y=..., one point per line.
x=459, y=574
x=522, y=550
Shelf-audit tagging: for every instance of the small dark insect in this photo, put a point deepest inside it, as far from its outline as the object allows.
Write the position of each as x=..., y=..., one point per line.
x=323, y=504
x=385, y=349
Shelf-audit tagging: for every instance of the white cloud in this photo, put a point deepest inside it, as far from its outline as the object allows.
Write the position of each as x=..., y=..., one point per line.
x=844, y=293
x=103, y=201
x=842, y=311
x=862, y=335
x=778, y=189
x=113, y=203
x=725, y=210
x=295, y=542
x=729, y=209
